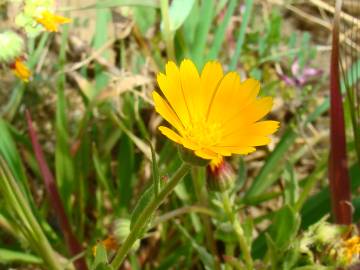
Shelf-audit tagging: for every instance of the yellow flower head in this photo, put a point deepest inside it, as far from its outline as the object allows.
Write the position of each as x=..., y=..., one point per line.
x=51, y=21
x=214, y=114
x=351, y=249
x=21, y=70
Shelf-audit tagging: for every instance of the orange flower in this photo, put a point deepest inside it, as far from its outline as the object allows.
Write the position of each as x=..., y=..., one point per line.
x=52, y=21
x=21, y=70
x=109, y=243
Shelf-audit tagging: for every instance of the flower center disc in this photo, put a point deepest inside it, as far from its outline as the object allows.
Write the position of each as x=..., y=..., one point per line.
x=203, y=133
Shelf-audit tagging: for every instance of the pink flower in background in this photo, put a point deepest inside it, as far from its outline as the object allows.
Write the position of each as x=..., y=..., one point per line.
x=299, y=77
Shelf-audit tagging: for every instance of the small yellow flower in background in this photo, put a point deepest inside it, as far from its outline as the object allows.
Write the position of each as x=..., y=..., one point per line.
x=351, y=249
x=51, y=21
x=213, y=114
x=38, y=16
x=21, y=70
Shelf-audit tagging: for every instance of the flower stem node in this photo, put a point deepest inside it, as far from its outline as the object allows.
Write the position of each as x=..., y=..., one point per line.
x=220, y=175
x=189, y=157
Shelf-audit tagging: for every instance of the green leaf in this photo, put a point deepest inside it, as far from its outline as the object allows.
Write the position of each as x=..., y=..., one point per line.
x=101, y=259
x=284, y=227
x=103, y=16
x=265, y=178
x=141, y=204
x=155, y=171
x=116, y=3
x=12, y=256
x=9, y=152
x=242, y=32
x=145, y=18
x=64, y=166
x=178, y=12
x=125, y=170
x=292, y=189
x=272, y=250
x=221, y=30
x=204, y=255
x=318, y=205
x=207, y=11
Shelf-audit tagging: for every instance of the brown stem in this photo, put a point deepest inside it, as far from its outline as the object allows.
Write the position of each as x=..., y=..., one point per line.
x=338, y=171
x=54, y=196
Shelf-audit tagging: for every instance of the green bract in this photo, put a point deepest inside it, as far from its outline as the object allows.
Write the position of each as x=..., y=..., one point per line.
x=11, y=45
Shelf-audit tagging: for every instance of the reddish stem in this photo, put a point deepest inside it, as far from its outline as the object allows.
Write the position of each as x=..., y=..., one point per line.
x=338, y=171
x=54, y=196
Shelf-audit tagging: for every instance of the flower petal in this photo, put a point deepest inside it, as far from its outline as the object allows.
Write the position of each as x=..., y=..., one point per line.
x=192, y=89
x=170, y=85
x=224, y=93
x=240, y=150
x=172, y=135
x=163, y=108
x=250, y=114
x=244, y=141
x=206, y=154
x=262, y=128
x=211, y=76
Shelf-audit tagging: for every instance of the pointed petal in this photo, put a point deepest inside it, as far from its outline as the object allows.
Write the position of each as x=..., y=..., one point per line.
x=244, y=141
x=163, y=108
x=192, y=89
x=248, y=115
x=170, y=85
x=172, y=135
x=211, y=76
x=206, y=154
x=225, y=92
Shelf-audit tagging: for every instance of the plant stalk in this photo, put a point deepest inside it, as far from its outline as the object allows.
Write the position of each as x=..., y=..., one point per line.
x=238, y=230
x=202, y=198
x=338, y=171
x=146, y=214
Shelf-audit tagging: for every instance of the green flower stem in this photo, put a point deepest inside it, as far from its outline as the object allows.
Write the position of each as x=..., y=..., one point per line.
x=146, y=214
x=169, y=36
x=238, y=230
x=202, y=198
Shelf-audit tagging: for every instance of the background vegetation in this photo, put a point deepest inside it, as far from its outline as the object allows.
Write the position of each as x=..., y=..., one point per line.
x=92, y=112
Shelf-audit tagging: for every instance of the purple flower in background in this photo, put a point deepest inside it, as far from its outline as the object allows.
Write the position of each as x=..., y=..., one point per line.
x=299, y=77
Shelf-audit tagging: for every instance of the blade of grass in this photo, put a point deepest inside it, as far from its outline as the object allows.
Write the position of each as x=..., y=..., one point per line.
x=207, y=10
x=221, y=30
x=116, y=3
x=21, y=208
x=242, y=32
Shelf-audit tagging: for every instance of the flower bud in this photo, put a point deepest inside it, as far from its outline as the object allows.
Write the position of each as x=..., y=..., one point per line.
x=122, y=230
x=220, y=175
x=11, y=45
